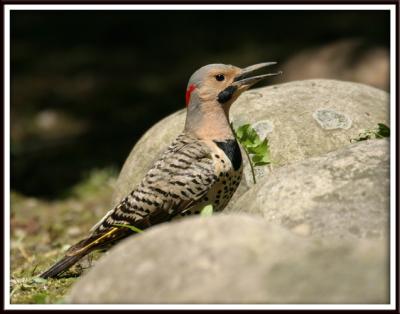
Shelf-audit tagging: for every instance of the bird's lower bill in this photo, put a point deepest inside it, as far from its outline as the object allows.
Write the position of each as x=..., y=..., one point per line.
x=246, y=78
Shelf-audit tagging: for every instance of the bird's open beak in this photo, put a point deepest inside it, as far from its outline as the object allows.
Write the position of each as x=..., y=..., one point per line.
x=245, y=79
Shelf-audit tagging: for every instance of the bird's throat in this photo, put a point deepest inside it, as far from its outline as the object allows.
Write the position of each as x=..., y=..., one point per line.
x=210, y=121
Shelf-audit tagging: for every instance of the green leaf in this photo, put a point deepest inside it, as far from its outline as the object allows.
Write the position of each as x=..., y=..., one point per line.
x=260, y=160
x=383, y=130
x=252, y=138
x=247, y=136
x=133, y=228
x=242, y=130
x=207, y=211
x=260, y=149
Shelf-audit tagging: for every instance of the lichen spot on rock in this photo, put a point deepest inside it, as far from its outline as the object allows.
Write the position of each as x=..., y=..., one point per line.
x=329, y=119
x=263, y=127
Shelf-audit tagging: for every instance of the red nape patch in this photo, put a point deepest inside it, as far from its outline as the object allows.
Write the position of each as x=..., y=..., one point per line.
x=189, y=92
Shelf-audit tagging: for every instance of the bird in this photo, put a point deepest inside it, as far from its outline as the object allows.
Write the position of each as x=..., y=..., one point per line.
x=202, y=166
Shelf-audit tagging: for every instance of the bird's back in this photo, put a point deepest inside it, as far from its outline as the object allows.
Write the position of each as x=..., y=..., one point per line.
x=190, y=174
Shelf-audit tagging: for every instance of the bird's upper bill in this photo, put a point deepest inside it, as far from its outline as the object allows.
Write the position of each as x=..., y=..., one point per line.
x=246, y=77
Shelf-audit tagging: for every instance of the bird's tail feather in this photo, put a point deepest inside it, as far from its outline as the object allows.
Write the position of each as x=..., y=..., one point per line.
x=61, y=266
x=84, y=247
x=73, y=254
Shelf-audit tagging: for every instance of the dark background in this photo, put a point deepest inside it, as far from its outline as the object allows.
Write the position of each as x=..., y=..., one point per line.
x=85, y=85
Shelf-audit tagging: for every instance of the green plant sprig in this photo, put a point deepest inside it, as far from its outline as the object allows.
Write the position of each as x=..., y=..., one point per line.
x=253, y=145
x=381, y=131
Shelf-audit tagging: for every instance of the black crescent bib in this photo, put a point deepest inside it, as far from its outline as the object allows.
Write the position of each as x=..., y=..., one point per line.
x=232, y=151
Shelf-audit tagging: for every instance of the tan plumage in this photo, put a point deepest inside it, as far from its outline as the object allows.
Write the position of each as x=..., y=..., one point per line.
x=202, y=166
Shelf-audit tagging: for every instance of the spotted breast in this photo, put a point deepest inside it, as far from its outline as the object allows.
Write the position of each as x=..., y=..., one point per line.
x=227, y=160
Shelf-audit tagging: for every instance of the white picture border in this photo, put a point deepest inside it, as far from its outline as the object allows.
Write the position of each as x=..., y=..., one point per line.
x=393, y=157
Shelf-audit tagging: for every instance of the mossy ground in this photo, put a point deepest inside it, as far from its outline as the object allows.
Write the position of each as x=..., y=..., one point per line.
x=42, y=230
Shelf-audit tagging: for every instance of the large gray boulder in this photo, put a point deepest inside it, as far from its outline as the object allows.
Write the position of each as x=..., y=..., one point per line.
x=302, y=119
x=235, y=259
x=344, y=193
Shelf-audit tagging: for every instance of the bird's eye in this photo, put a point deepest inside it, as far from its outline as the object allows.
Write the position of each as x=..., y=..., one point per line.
x=220, y=77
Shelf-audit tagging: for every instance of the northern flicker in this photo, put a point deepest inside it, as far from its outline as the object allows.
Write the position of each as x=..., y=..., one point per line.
x=202, y=166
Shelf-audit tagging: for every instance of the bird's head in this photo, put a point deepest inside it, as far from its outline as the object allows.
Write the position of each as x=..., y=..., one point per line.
x=222, y=84
x=211, y=91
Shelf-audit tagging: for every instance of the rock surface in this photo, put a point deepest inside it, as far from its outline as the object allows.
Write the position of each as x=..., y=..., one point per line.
x=302, y=119
x=344, y=193
x=235, y=259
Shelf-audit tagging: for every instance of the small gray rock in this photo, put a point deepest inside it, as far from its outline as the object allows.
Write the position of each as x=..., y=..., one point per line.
x=235, y=259
x=344, y=193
